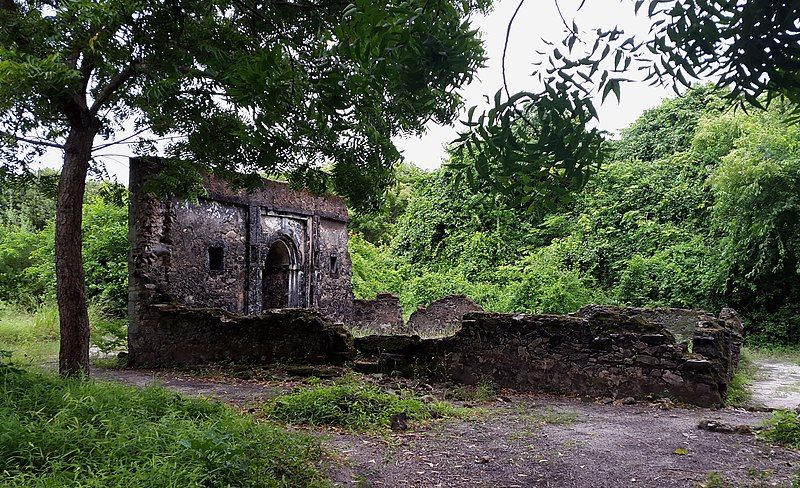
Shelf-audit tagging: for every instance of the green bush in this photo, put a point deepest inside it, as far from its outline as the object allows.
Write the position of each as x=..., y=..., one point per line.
x=27, y=258
x=544, y=283
x=375, y=270
x=351, y=405
x=56, y=432
x=431, y=286
x=783, y=428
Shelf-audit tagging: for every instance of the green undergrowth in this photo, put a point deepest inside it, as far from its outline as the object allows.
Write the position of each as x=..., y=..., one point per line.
x=739, y=387
x=776, y=352
x=354, y=406
x=547, y=416
x=481, y=392
x=783, y=428
x=56, y=432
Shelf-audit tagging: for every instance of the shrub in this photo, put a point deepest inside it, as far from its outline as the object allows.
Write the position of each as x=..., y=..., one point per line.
x=351, y=405
x=375, y=270
x=543, y=283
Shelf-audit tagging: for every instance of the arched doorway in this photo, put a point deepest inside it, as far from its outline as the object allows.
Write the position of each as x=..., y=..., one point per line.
x=279, y=279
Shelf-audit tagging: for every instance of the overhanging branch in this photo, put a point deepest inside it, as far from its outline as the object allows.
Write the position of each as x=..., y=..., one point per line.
x=28, y=140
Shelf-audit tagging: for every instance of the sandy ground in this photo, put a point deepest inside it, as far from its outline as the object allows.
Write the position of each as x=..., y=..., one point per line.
x=777, y=384
x=526, y=440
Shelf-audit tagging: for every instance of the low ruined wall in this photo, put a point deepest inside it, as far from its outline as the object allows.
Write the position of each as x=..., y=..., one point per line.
x=442, y=317
x=680, y=322
x=172, y=336
x=381, y=316
x=606, y=351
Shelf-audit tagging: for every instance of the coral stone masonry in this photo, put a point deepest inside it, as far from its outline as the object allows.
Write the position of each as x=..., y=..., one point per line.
x=238, y=252
x=265, y=277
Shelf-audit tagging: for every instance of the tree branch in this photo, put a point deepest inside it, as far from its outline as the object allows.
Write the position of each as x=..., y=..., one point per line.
x=37, y=142
x=116, y=82
x=9, y=6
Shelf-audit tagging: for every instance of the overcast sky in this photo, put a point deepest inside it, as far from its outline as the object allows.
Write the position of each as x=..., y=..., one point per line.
x=537, y=19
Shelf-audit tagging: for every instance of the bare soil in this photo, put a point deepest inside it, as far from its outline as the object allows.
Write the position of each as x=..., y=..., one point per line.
x=776, y=384
x=519, y=440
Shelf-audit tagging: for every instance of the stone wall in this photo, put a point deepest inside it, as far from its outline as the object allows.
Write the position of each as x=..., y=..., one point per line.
x=241, y=252
x=442, y=317
x=679, y=321
x=173, y=336
x=381, y=316
x=607, y=351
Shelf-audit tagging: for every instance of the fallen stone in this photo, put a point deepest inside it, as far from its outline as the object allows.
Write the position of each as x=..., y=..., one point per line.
x=721, y=427
x=399, y=422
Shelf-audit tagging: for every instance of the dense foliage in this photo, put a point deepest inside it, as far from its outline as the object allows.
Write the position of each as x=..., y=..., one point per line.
x=698, y=208
x=707, y=221
x=27, y=271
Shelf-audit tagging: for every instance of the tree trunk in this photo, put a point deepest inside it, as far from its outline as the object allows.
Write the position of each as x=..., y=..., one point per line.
x=73, y=356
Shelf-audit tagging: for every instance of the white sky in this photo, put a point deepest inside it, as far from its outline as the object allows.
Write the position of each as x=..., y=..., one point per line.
x=537, y=19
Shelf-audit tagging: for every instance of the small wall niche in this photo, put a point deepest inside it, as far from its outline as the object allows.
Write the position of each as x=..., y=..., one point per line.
x=216, y=258
x=334, y=263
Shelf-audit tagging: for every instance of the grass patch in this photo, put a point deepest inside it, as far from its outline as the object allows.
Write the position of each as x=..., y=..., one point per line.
x=57, y=432
x=783, y=427
x=551, y=416
x=32, y=335
x=788, y=354
x=739, y=387
x=547, y=416
x=714, y=479
x=354, y=406
x=482, y=392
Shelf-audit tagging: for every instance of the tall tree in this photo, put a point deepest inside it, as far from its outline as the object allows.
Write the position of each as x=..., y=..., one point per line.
x=237, y=86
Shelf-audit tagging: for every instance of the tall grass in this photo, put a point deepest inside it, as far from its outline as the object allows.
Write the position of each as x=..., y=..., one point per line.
x=56, y=432
x=32, y=335
x=739, y=388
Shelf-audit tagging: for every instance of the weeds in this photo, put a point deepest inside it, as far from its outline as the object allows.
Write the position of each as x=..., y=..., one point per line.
x=783, y=427
x=790, y=354
x=739, y=387
x=352, y=405
x=714, y=480
x=56, y=432
x=482, y=392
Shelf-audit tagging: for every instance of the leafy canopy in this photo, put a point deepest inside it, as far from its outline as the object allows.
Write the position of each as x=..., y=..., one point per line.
x=243, y=85
x=751, y=48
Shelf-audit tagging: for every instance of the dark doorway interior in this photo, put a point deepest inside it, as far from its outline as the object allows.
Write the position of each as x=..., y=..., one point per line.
x=275, y=281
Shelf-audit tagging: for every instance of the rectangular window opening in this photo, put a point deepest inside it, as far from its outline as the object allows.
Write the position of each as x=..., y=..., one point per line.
x=216, y=258
x=333, y=264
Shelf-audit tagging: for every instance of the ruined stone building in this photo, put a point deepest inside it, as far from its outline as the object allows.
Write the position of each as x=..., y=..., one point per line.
x=265, y=277
x=241, y=252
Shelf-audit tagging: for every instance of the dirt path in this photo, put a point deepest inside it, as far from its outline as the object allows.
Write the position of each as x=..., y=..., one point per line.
x=528, y=440
x=777, y=384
